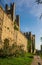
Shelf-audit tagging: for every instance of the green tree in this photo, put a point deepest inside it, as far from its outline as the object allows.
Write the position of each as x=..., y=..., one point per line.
x=41, y=39
x=39, y=2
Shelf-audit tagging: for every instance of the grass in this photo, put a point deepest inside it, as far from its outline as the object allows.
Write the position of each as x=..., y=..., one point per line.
x=17, y=60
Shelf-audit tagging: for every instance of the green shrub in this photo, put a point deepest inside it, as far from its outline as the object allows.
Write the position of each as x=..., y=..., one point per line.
x=18, y=51
x=13, y=50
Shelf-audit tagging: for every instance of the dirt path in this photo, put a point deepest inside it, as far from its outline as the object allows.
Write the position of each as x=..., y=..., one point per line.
x=37, y=61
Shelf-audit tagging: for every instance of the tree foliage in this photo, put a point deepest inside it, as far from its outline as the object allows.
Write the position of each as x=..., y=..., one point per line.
x=39, y=1
x=41, y=38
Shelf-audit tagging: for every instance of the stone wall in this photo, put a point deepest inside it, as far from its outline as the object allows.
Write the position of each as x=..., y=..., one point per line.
x=7, y=27
x=20, y=39
x=9, y=32
x=31, y=39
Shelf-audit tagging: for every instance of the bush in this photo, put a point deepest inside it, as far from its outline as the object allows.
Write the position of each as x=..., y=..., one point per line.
x=6, y=49
x=12, y=50
x=18, y=51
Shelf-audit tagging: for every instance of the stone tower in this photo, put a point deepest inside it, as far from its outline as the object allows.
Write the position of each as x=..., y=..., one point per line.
x=33, y=43
x=31, y=39
x=41, y=47
x=10, y=11
x=6, y=27
x=18, y=21
x=30, y=36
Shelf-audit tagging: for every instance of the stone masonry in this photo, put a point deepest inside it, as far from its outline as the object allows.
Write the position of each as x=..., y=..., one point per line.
x=7, y=29
x=31, y=38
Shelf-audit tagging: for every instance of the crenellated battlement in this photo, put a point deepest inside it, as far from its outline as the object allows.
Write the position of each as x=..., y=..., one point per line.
x=10, y=11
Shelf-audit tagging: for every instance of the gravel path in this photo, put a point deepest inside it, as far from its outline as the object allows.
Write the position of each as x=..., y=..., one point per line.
x=37, y=60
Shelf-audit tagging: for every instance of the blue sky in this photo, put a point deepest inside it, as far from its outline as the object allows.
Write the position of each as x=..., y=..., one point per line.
x=29, y=12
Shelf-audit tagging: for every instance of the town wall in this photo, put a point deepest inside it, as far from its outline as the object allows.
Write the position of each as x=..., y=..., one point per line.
x=8, y=31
